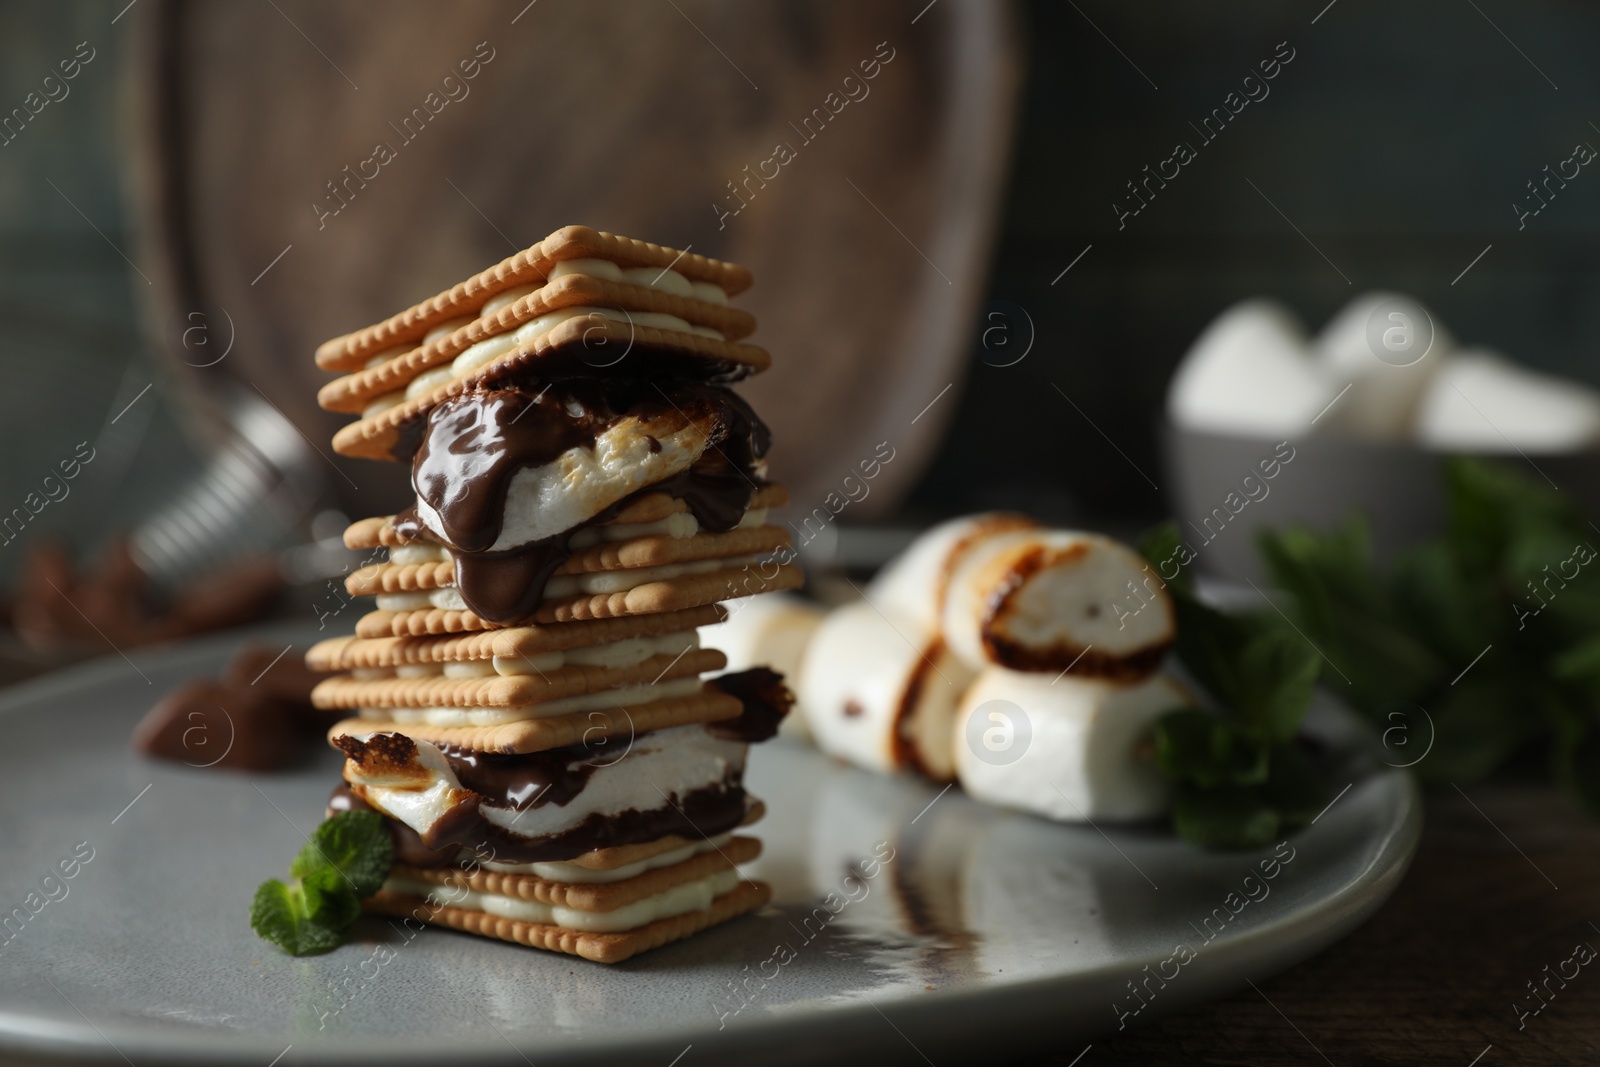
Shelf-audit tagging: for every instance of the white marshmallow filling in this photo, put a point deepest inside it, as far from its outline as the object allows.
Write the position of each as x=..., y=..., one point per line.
x=572, y=873
x=679, y=900
x=651, y=773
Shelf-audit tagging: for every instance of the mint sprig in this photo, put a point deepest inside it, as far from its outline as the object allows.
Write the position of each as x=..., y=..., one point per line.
x=346, y=860
x=1241, y=779
x=1490, y=628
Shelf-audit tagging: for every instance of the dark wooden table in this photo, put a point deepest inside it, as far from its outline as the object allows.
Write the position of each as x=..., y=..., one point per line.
x=1503, y=885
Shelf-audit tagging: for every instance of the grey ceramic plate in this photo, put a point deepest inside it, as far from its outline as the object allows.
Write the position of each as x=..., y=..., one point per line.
x=986, y=931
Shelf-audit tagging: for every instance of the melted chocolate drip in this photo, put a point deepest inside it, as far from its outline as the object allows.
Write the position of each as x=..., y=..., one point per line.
x=476, y=442
x=529, y=780
x=700, y=813
x=766, y=701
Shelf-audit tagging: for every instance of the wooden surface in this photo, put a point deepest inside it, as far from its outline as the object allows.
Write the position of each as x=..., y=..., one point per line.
x=870, y=246
x=1433, y=977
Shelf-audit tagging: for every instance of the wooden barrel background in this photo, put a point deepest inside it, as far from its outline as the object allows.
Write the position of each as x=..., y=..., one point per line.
x=266, y=199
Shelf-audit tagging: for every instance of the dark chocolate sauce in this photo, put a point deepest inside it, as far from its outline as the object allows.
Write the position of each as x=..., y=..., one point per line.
x=476, y=442
x=529, y=780
x=766, y=701
x=700, y=813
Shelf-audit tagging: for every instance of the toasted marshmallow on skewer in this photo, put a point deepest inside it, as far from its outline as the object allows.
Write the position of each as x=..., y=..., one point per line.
x=913, y=584
x=1250, y=374
x=767, y=631
x=879, y=693
x=1482, y=402
x=1046, y=600
x=1069, y=748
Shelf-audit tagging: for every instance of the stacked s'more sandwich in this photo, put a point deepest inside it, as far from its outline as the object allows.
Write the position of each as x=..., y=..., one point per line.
x=526, y=702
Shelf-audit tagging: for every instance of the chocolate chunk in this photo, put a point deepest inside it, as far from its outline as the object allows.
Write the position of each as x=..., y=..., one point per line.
x=282, y=675
x=206, y=724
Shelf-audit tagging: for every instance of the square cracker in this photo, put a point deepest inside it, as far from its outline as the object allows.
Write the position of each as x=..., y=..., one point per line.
x=560, y=731
x=531, y=265
x=601, y=948
x=353, y=392
x=507, y=691
x=349, y=652
x=590, y=896
x=669, y=594
x=650, y=550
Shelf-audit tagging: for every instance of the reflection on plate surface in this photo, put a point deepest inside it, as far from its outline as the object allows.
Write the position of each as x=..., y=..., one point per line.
x=901, y=915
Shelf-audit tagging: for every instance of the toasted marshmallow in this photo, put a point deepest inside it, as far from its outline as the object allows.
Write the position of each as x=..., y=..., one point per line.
x=1384, y=394
x=771, y=630
x=1482, y=402
x=1089, y=754
x=405, y=779
x=881, y=694
x=583, y=481
x=1250, y=374
x=412, y=781
x=913, y=584
x=1047, y=600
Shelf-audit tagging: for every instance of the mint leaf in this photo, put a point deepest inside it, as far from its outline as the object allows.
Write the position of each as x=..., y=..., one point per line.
x=354, y=844
x=1161, y=548
x=345, y=860
x=1491, y=627
x=1282, y=670
x=283, y=915
x=1294, y=787
x=1207, y=750
x=1258, y=670
x=1477, y=727
x=1227, y=817
x=1340, y=603
x=329, y=901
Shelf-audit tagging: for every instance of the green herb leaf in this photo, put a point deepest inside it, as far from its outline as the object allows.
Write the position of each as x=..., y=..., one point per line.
x=1208, y=750
x=1475, y=730
x=1294, y=787
x=285, y=915
x=354, y=844
x=1340, y=604
x=1260, y=676
x=1161, y=548
x=1490, y=628
x=1225, y=817
x=1283, y=671
x=345, y=860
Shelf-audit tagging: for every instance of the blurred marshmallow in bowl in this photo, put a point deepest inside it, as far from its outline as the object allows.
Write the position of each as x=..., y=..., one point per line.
x=1388, y=349
x=1383, y=369
x=1482, y=402
x=1251, y=373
